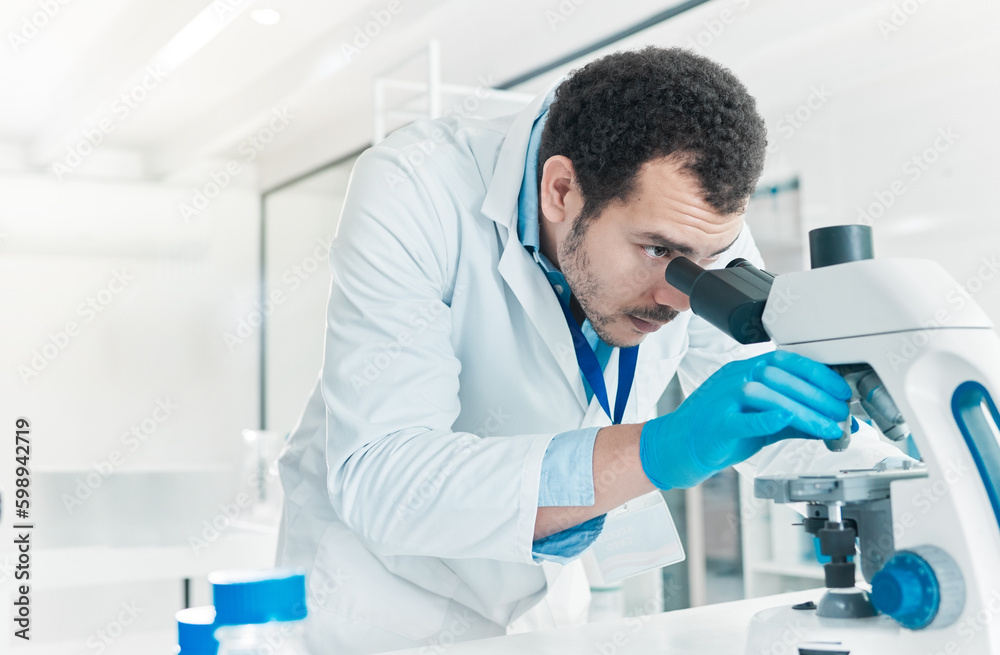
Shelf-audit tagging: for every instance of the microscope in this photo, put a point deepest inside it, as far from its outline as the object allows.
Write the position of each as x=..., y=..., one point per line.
x=924, y=364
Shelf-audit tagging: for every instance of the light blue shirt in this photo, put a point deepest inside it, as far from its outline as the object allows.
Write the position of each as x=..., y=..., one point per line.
x=567, y=467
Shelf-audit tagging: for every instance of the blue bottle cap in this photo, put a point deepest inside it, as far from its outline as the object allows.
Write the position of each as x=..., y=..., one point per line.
x=258, y=596
x=195, y=631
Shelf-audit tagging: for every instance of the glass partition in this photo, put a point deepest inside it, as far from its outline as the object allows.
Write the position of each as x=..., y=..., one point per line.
x=300, y=220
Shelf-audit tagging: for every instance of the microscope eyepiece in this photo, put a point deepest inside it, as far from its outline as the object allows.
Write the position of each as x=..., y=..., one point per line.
x=682, y=273
x=732, y=299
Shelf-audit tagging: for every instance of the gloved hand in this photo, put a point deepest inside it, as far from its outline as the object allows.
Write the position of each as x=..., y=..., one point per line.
x=741, y=408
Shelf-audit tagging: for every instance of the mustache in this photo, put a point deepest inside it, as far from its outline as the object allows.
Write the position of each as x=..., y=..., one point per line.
x=661, y=314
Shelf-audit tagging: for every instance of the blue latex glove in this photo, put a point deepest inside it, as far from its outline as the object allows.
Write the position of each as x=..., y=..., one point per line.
x=743, y=407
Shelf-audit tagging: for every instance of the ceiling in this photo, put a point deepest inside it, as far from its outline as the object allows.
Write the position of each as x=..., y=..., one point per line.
x=201, y=78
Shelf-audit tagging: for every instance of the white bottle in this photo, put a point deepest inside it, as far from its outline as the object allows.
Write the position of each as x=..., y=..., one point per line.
x=260, y=612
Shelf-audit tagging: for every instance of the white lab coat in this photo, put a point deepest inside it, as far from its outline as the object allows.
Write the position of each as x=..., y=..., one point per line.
x=412, y=478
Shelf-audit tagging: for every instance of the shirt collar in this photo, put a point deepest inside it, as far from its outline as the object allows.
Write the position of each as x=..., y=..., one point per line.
x=528, y=232
x=527, y=201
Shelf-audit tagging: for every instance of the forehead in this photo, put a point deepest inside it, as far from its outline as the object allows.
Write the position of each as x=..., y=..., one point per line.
x=668, y=200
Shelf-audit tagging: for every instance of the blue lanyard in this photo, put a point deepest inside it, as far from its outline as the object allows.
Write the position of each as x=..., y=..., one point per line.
x=591, y=368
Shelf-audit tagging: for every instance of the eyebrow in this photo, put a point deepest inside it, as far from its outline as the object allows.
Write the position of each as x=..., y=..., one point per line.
x=659, y=240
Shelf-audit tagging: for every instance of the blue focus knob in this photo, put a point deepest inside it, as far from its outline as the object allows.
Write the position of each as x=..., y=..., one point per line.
x=902, y=595
x=918, y=587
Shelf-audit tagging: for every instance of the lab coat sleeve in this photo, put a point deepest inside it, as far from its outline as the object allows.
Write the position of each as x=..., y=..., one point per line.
x=567, y=480
x=565, y=546
x=709, y=349
x=398, y=475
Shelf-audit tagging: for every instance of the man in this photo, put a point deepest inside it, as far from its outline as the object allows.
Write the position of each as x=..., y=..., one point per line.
x=441, y=483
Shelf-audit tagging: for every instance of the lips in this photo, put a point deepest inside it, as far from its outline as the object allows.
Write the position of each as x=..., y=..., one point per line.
x=644, y=326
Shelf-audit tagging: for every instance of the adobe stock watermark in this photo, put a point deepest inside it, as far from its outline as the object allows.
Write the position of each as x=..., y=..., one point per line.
x=780, y=300
x=221, y=178
x=792, y=121
x=121, y=109
x=786, y=642
x=365, y=34
x=913, y=343
x=416, y=154
x=320, y=593
x=796, y=453
x=570, y=515
x=914, y=169
x=58, y=341
x=32, y=24
x=973, y=624
x=637, y=618
x=881, y=546
x=98, y=642
x=275, y=635
x=562, y=12
x=899, y=16
x=466, y=445
x=714, y=27
x=925, y=498
x=921, y=502
x=451, y=633
x=131, y=441
x=292, y=280
x=469, y=104
x=229, y=512
x=388, y=351
x=226, y=9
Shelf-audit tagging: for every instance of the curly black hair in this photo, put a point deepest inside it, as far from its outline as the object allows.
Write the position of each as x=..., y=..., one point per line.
x=619, y=112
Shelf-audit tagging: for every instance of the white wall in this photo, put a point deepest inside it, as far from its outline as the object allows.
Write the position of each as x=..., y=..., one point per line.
x=301, y=220
x=910, y=151
x=874, y=80
x=148, y=355
x=183, y=285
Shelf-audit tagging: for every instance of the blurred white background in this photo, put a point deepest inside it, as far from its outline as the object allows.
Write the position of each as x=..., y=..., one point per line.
x=165, y=165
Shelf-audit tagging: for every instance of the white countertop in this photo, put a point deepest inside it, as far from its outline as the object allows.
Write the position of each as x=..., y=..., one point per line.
x=55, y=568
x=712, y=629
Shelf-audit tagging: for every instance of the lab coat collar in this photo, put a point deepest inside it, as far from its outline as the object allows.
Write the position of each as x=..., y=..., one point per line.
x=541, y=304
x=516, y=266
x=500, y=203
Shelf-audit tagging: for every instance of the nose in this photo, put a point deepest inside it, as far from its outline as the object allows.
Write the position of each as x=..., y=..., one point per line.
x=664, y=294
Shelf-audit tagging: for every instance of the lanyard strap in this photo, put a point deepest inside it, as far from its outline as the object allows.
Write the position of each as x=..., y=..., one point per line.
x=592, y=372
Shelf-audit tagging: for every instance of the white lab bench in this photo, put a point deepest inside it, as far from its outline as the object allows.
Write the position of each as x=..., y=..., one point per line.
x=710, y=630
x=241, y=546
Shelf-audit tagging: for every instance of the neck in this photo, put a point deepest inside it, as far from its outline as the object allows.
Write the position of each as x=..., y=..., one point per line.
x=547, y=240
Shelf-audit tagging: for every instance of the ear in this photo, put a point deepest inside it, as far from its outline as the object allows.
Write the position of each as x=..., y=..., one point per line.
x=559, y=197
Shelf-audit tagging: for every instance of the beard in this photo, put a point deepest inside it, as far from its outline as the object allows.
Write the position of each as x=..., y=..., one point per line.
x=589, y=290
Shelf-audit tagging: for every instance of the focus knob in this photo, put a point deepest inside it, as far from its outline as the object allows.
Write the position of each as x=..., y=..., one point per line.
x=919, y=588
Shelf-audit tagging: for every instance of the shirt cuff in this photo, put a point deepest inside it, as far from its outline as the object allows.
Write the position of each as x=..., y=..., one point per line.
x=567, y=478
x=563, y=547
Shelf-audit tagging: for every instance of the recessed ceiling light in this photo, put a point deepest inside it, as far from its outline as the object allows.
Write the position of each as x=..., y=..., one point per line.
x=265, y=16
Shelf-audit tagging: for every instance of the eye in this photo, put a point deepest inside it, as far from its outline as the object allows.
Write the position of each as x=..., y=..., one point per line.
x=656, y=252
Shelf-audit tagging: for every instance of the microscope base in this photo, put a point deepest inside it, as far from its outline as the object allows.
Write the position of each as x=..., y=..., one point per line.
x=792, y=632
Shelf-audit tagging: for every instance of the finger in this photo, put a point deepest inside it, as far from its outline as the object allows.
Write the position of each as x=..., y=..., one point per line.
x=754, y=424
x=802, y=392
x=757, y=396
x=790, y=433
x=811, y=371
